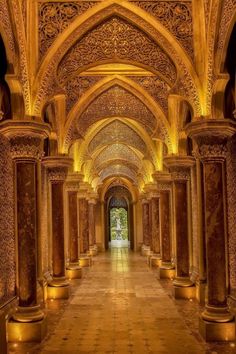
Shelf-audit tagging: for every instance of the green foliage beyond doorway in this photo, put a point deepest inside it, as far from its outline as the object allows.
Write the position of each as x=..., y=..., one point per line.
x=119, y=224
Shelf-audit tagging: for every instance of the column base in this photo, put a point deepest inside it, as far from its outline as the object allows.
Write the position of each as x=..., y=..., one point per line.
x=180, y=292
x=3, y=335
x=182, y=282
x=85, y=261
x=145, y=251
x=166, y=271
x=217, y=314
x=58, y=288
x=28, y=324
x=73, y=272
x=219, y=332
x=93, y=251
x=155, y=261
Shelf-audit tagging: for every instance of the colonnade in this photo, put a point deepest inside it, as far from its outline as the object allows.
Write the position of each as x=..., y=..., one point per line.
x=209, y=284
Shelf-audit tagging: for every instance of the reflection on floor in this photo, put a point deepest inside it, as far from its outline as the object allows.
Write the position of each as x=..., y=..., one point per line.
x=119, y=244
x=120, y=307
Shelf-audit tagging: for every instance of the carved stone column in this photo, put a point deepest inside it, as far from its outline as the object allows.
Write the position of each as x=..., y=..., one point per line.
x=73, y=270
x=164, y=187
x=155, y=225
x=146, y=224
x=91, y=221
x=26, y=141
x=57, y=171
x=210, y=136
x=180, y=171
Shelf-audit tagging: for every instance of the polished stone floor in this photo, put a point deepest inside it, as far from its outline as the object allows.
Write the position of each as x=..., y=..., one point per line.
x=120, y=307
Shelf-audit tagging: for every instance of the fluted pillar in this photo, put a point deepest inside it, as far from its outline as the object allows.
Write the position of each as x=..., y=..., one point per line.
x=57, y=172
x=180, y=171
x=26, y=143
x=211, y=138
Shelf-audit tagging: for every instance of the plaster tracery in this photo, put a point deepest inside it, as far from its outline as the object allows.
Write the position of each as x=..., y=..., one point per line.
x=116, y=39
x=55, y=17
x=116, y=101
x=117, y=151
x=176, y=17
x=117, y=131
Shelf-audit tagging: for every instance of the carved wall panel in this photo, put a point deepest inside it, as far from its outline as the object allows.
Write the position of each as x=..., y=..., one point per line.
x=116, y=101
x=231, y=198
x=176, y=17
x=157, y=88
x=115, y=40
x=7, y=234
x=55, y=17
x=117, y=131
x=117, y=151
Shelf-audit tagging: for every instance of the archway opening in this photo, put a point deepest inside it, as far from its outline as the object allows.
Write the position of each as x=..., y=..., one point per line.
x=119, y=232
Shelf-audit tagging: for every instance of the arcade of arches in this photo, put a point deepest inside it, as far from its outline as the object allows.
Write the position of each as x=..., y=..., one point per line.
x=117, y=104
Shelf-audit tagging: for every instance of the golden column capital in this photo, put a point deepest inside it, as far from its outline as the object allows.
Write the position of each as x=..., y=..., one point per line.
x=57, y=167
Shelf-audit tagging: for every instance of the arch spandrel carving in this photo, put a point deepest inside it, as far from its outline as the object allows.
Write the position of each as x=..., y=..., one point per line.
x=116, y=39
x=117, y=131
x=116, y=102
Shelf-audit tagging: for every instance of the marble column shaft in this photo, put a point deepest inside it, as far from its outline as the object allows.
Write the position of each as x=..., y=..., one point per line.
x=73, y=227
x=165, y=226
x=91, y=220
x=181, y=227
x=58, y=249
x=146, y=223
x=155, y=225
x=83, y=225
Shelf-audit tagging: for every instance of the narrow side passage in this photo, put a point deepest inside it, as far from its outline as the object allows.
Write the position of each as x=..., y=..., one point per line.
x=120, y=307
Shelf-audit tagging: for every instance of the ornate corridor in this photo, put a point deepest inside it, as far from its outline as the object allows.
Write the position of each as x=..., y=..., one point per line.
x=117, y=127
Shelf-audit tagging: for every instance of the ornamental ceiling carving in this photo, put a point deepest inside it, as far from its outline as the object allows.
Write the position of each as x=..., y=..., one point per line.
x=156, y=87
x=115, y=162
x=176, y=17
x=118, y=191
x=117, y=151
x=117, y=131
x=76, y=87
x=114, y=102
x=54, y=18
x=116, y=39
x=118, y=170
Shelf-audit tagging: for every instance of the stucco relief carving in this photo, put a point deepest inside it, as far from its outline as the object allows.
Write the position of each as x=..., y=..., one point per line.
x=75, y=88
x=176, y=17
x=156, y=87
x=117, y=131
x=7, y=233
x=119, y=40
x=116, y=101
x=180, y=173
x=228, y=12
x=26, y=147
x=118, y=170
x=57, y=174
x=55, y=17
x=6, y=24
x=117, y=151
x=210, y=147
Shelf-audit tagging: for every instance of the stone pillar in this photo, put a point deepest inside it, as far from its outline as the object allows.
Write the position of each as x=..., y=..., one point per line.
x=91, y=219
x=83, y=225
x=146, y=223
x=73, y=270
x=26, y=142
x=155, y=225
x=180, y=172
x=210, y=136
x=57, y=171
